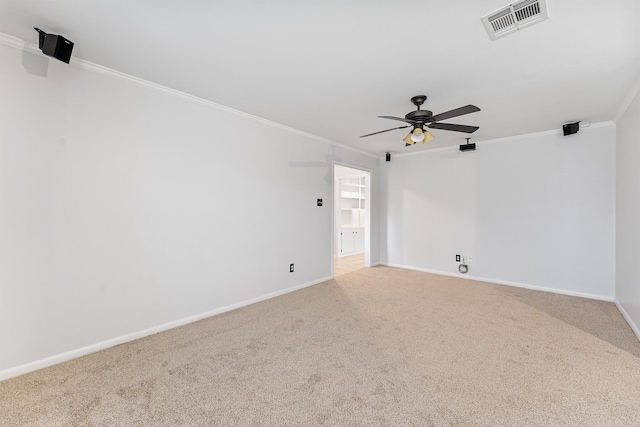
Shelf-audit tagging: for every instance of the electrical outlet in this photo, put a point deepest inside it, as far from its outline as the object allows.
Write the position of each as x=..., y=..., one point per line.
x=457, y=258
x=290, y=268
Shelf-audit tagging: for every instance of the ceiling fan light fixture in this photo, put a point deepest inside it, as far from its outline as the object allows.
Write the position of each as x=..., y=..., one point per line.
x=427, y=137
x=417, y=135
x=408, y=139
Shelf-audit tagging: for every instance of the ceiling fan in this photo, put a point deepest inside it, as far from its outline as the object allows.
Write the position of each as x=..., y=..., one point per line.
x=421, y=119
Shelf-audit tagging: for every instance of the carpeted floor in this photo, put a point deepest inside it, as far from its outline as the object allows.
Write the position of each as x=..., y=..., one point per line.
x=378, y=346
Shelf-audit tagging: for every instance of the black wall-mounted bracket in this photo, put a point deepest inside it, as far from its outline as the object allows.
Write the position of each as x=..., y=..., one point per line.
x=468, y=146
x=55, y=46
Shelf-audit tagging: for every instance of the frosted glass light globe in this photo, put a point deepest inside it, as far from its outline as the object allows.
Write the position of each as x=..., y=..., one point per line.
x=417, y=135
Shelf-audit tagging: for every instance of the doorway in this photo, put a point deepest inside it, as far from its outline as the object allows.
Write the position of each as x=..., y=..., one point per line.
x=351, y=219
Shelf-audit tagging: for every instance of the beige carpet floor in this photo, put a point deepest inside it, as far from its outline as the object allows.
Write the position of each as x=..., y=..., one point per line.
x=376, y=347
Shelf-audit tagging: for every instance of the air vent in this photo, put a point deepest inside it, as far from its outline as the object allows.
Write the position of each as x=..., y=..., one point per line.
x=514, y=17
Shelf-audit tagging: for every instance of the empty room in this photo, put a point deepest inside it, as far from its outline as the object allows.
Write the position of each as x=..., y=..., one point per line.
x=266, y=213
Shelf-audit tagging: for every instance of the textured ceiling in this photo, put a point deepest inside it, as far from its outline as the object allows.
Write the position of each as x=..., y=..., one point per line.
x=331, y=67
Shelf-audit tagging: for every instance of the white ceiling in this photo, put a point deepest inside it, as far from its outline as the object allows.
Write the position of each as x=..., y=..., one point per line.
x=331, y=67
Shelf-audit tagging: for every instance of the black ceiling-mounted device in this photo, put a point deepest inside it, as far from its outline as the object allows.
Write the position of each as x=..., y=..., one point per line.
x=571, y=128
x=388, y=157
x=54, y=45
x=423, y=120
x=467, y=146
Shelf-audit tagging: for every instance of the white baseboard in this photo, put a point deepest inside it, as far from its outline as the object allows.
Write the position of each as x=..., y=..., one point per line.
x=93, y=348
x=632, y=324
x=504, y=282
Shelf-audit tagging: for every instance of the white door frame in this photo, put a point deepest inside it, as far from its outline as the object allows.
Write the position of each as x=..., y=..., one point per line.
x=367, y=211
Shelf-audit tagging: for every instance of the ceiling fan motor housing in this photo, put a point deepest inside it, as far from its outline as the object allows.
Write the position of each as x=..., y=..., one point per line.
x=419, y=116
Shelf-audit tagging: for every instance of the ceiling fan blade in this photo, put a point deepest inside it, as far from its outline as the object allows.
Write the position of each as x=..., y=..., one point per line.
x=455, y=113
x=398, y=118
x=455, y=128
x=375, y=133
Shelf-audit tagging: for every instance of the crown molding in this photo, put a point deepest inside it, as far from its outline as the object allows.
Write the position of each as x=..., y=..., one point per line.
x=17, y=43
x=505, y=139
x=11, y=41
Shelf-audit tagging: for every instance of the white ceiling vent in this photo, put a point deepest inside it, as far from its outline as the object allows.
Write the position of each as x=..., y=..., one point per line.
x=514, y=17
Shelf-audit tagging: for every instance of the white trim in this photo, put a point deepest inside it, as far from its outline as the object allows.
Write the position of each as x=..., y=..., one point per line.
x=417, y=153
x=635, y=89
x=504, y=282
x=108, y=72
x=634, y=327
x=352, y=166
x=524, y=136
x=11, y=41
x=83, y=351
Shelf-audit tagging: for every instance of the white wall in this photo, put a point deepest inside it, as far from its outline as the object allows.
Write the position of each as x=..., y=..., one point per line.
x=123, y=208
x=536, y=210
x=628, y=214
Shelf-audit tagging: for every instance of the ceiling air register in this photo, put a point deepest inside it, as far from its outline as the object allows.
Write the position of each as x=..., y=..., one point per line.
x=514, y=17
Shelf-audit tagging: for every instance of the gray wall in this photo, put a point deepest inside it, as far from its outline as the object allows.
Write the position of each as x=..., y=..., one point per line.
x=536, y=211
x=628, y=214
x=125, y=209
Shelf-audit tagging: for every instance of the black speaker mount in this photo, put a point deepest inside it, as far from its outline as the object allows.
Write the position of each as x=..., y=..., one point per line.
x=570, y=128
x=54, y=45
x=468, y=146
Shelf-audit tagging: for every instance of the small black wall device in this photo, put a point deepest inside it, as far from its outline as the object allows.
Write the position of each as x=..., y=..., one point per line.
x=468, y=147
x=388, y=157
x=54, y=45
x=570, y=128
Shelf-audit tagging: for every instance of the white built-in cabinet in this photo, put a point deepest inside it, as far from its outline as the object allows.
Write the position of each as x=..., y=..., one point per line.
x=352, y=215
x=351, y=240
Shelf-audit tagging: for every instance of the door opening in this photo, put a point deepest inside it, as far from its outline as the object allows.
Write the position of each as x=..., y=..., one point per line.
x=351, y=219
